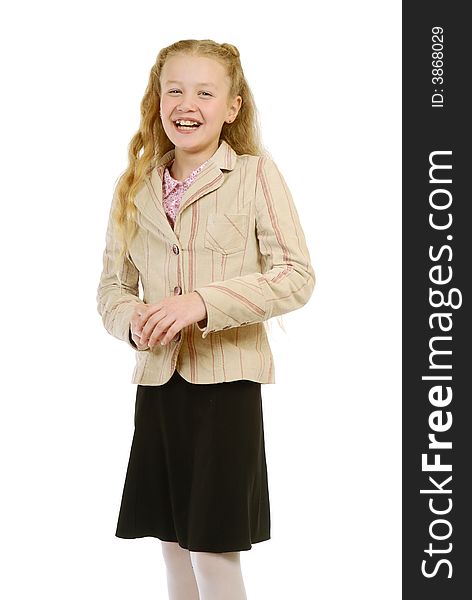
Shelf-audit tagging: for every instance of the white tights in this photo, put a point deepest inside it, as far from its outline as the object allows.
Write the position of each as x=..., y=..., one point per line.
x=202, y=575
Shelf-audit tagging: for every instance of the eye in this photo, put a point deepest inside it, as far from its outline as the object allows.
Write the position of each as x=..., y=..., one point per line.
x=170, y=91
x=206, y=93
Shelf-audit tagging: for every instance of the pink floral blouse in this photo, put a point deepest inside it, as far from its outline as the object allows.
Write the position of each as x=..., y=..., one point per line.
x=173, y=191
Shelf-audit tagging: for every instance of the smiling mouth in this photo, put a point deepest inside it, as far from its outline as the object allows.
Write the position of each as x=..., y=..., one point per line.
x=186, y=125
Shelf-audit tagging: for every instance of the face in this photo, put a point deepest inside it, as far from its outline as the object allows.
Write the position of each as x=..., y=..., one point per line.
x=196, y=88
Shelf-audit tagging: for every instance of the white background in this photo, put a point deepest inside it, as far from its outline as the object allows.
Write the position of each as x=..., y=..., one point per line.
x=326, y=80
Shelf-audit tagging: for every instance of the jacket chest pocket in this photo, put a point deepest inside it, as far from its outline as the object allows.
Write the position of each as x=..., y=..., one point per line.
x=226, y=233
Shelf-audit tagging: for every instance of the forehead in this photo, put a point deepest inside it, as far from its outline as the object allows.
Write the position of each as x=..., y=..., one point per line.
x=193, y=70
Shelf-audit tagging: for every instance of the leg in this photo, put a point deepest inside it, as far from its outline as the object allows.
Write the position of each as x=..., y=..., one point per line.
x=218, y=575
x=181, y=582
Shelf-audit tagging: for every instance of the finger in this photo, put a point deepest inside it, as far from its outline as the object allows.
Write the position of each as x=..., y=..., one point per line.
x=139, y=346
x=159, y=327
x=154, y=320
x=140, y=322
x=135, y=335
x=160, y=331
x=171, y=333
x=145, y=314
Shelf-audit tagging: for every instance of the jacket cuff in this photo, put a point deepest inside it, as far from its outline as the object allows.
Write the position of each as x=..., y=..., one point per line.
x=206, y=328
x=215, y=295
x=119, y=322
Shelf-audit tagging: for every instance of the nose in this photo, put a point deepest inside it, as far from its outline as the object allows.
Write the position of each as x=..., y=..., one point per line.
x=185, y=104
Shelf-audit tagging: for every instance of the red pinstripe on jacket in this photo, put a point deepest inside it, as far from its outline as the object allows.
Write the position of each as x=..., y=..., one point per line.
x=238, y=242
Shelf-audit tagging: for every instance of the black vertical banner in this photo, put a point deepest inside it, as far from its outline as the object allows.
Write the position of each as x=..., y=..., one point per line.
x=436, y=261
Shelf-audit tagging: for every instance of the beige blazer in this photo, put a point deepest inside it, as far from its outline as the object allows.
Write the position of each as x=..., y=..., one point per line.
x=238, y=242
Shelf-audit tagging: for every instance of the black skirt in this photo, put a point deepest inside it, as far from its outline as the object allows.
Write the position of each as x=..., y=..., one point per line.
x=197, y=472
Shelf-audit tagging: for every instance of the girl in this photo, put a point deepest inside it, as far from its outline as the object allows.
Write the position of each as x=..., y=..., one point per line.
x=204, y=219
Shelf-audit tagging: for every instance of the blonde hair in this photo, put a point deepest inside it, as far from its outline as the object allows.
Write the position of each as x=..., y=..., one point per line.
x=150, y=142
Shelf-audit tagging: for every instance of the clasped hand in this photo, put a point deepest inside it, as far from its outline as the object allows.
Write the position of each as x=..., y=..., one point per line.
x=162, y=321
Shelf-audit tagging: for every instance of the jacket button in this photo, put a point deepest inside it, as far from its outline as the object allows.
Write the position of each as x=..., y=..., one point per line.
x=177, y=289
x=175, y=249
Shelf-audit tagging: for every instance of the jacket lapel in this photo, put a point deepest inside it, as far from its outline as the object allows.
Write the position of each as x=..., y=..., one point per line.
x=149, y=198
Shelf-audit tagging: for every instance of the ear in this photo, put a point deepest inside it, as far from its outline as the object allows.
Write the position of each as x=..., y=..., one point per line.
x=234, y=109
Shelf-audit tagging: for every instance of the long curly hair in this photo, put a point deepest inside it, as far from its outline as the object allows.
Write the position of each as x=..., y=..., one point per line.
x=150, y=142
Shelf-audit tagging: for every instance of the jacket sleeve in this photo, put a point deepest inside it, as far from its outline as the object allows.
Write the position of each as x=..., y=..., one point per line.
x=118, y=289
x=288, y=278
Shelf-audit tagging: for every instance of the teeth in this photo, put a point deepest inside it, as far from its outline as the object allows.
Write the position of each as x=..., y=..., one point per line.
x=186, y=122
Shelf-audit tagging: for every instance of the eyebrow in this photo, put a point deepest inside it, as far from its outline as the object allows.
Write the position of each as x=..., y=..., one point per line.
x=180, y=83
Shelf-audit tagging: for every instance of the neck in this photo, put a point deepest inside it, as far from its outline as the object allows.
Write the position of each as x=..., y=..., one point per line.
x=185, y=161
